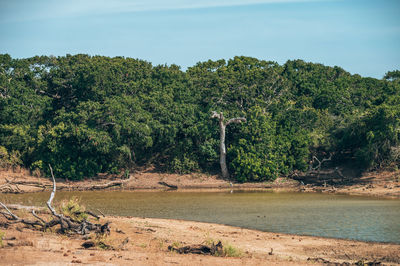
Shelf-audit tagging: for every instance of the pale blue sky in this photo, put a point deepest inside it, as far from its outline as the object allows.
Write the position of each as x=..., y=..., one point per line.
x=362, y=36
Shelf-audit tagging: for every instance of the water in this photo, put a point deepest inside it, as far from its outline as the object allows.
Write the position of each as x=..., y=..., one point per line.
x=338, y=216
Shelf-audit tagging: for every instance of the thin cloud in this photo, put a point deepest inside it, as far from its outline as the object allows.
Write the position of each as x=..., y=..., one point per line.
x=47, y=9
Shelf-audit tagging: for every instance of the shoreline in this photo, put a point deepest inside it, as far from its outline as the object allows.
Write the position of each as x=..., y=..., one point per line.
x=146, y=241
x=149, y=239
x=374, y=184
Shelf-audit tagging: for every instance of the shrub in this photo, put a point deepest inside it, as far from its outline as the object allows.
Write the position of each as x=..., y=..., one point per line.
x=73, y=209
x=253, y=157
x=9, y=159
x=184, y=165
x=231, y=251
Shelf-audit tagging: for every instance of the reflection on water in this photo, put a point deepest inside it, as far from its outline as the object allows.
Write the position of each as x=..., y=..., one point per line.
x=339, y=216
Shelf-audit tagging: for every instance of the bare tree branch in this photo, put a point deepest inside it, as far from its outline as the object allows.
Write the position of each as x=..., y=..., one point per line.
x=236, y=120
x=53, y=193
x=15, y=217
x=36, y=216
x=66, y=223
x=319, y=162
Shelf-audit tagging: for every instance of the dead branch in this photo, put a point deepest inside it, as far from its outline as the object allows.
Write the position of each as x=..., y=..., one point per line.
x=15, y=217
x=27, y=208
x=12, y=186
x=199, y=249
x=37, y=217
x=168, y=185
x=53, y=193
x=88, y=213
x=28, y=183
x=236, y=120
x=7, y=215
x=67, y=224
x=318, y=167
x=108, y=185
x=101, y=212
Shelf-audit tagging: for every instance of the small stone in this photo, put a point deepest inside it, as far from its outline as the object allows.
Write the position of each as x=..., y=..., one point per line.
x=88, y=244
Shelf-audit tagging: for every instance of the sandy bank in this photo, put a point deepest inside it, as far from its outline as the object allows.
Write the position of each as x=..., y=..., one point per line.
x=148, y=241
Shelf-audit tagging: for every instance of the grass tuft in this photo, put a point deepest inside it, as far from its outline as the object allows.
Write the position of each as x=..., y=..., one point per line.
x=231, y=251
x=1, y=238
x=227, y=251
x=73, y=209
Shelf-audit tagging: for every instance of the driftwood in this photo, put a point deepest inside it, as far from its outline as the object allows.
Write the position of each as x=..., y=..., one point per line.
x=67, y=223
x=108, y=185
x=11, y=186
x=199, y=249
x=168, y=185
x=27, y=208
x=27, y=183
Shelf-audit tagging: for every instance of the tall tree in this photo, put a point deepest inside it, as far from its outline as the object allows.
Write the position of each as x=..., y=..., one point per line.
x=222, y=148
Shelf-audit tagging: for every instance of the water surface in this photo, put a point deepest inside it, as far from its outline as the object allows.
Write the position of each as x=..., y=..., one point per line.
x=339, y=216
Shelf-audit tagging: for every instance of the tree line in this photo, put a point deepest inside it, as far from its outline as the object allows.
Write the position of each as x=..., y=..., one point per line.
x=89, y=114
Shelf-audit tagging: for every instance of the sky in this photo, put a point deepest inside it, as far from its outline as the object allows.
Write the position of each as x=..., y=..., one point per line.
x=361, y=36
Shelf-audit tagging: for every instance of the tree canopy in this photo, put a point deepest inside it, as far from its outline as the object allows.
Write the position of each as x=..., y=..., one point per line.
x=90, y=114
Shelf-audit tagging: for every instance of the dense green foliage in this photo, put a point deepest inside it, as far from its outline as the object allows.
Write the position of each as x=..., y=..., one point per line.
x=85, y=115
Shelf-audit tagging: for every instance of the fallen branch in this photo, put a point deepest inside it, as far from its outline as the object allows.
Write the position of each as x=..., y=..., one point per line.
x=199, y=249
x=9, y=212
x=67, y=224
x=101, y=212
x=168, y=185
x=108, y=185
x=37, y=217
x=26, y=208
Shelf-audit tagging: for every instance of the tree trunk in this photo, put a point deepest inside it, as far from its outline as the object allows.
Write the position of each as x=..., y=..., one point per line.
x=222, y=150
x=222, y=147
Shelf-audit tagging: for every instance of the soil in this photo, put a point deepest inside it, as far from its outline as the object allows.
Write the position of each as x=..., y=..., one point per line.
x=147, y=240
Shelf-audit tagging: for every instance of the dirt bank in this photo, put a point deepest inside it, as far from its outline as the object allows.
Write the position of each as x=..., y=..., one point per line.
x=380, y=184
x=147, y=240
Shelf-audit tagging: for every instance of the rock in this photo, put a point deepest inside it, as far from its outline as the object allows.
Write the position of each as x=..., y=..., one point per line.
x=88, y=244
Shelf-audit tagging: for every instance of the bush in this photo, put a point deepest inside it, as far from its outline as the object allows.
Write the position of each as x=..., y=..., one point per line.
x=253, y=157
x=183, y=166
x=374, y=139
x=11, y=159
